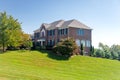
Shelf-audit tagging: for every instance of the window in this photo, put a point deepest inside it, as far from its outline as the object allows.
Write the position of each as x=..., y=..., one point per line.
x=63, y=31
x=80, y=32
x=58, y=32
x=83, y=42
x=43, y=34
x=48, y=32
x=51, y=32
x=53, y=42
x=88, y=43
x=37, y=35
x=48, y=42
x=78, y=42
x=66, y=31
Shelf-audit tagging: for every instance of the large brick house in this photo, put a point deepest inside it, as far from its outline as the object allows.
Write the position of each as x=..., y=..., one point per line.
x=50, y=34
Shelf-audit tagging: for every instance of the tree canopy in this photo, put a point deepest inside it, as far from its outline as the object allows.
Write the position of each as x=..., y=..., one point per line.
x=11, y=33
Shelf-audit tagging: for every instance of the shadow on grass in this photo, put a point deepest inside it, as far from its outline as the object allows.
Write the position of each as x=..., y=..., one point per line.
x=52, y=55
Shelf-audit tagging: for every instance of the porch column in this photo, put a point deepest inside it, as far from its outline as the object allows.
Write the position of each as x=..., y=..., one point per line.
x=41, y=43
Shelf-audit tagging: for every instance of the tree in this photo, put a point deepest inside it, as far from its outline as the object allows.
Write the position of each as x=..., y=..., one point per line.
x=92, y=51
x=108, y=55
x=15, y=31
x=115, y=50
x=99, y=53
x=4, y=36
x=81, y=49
x=26, y=41
x=114, y=55
x=66, y=47
x=10, y=30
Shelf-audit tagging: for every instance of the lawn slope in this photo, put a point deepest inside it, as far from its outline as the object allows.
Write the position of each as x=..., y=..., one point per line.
x=35, y=65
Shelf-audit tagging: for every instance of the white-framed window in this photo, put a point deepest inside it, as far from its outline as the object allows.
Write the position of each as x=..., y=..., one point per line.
x=80, y=32
x=77, y=42
x=83, y=42
x=88, y=43
x=42, y=32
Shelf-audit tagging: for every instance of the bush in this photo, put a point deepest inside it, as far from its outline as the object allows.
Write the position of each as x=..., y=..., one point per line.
x=114, y=55
x=108, y=55
x=99, y=53
x=66, y=47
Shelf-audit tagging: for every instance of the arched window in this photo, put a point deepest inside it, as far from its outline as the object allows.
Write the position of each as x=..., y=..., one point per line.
x=42, y=33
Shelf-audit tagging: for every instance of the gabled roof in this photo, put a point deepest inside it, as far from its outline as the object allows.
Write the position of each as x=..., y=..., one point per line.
x=46, y=25
x=37, y=30
x=64, y=24
x=55, y=24
x=77, y=24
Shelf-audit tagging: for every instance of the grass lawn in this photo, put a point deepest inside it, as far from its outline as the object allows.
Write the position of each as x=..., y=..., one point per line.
x=35, y=65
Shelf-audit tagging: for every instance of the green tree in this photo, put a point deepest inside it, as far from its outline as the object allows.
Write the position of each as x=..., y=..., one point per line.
x=92, y=51
x=99, y=53
x=15, y=31
x=10, y=30
x=4, y=36
x=108, y=55
x=26, y=41
x=81, y=49
x=115, y=50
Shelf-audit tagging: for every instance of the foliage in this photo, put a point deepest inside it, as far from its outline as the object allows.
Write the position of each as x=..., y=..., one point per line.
x=92, y=50
x=105, y=51
x=81, y=49
x=99, y=53
x=108, y=55
x=11, y=34
x=10, y=30
x=66, y=47
x=26, y=42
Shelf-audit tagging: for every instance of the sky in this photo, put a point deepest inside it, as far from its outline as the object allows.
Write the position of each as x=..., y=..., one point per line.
x=103, y=16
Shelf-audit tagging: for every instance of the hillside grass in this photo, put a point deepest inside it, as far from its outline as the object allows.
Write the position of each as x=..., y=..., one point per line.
x=36, y=65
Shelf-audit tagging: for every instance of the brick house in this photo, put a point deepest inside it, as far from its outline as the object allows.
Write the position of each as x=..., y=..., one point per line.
x=50, y=34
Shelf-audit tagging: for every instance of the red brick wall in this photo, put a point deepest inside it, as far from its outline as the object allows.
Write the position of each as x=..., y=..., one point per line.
x=72, y=32
x=87, y=36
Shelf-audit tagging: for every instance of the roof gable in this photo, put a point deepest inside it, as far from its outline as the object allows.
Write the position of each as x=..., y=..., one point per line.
x=64, y=24
x=56, y=24
x=77, y=24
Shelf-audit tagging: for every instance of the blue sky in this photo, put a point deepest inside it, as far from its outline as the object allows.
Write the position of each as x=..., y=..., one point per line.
x=103, y=16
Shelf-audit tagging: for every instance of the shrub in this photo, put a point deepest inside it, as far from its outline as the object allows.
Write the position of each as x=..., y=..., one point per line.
x=66, y=47
x=108, y=55
x=99, y=53
x=114, y=55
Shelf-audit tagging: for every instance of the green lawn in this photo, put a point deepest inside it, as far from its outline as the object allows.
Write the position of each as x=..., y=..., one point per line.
x=35, y=65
